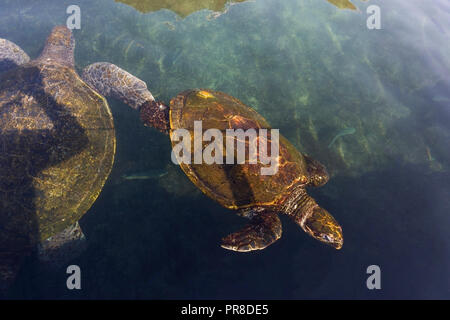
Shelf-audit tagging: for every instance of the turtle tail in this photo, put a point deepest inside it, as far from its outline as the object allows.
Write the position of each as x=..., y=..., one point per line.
x=59, y=249
x=111, y=81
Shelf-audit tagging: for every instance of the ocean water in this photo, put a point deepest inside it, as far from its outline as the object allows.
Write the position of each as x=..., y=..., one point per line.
x=313, y=70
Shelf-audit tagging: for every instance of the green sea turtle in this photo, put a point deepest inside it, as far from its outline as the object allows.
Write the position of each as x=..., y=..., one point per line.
x=241, y=187
x=344, y=4
x=182, y=8
x=57, y=146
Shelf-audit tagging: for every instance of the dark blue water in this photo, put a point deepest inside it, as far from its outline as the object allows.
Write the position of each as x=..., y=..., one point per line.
x=312, y=70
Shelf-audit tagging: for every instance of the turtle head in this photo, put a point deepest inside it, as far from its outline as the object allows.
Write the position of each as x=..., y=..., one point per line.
x=322, y=226
x=59, y=47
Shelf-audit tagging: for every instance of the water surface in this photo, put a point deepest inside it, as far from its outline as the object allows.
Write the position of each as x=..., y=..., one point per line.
x=312, y=70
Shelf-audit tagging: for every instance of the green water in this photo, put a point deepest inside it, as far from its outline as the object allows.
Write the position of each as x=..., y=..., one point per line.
x=311, y=69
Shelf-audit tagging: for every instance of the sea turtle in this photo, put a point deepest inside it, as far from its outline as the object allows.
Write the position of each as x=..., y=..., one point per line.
x=181, y=8
x=242, y=187
x=57, y=146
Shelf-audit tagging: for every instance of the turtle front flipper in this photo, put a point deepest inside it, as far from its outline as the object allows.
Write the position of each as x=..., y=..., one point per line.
x=318, y=175
x=111, y=81
x=263, y=230
x=11, y=55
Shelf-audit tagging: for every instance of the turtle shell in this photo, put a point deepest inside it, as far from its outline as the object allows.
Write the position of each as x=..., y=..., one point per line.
x=234, y=186
x=57, y=146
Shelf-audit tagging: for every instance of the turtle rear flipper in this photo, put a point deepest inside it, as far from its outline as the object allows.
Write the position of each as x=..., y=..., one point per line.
x=11, y=55
x=263, y=230
x=318, y=175
x=59, y=249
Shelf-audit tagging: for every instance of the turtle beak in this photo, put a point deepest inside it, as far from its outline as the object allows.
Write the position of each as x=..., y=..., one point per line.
x=337, y=243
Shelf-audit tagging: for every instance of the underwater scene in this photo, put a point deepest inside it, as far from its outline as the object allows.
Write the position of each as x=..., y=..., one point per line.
x=361, y=88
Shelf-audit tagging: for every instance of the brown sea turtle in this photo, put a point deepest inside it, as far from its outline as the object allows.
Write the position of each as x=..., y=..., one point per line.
x=182, y=8
x=242, y=187
x=57, y=146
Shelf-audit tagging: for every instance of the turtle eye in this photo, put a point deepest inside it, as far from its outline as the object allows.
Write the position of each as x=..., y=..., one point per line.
x=327, y=238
